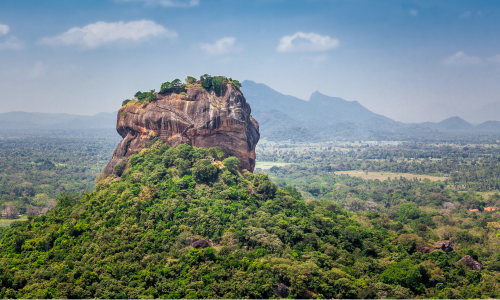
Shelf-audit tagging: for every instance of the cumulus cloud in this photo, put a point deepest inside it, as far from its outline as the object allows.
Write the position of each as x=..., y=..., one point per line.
x=102, y=33
x=413, y=12
x=461, y=59
x=222, y=46
x=301, y=41
x=166, y=3
x=4, y=29
x=12, y=43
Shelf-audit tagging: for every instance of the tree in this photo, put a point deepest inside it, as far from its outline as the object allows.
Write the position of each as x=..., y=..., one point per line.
x=166, y=86
x=33, y=211
x=236, y=83
x=172, y=87
x=190, y=80
x=119, y=168
x=403, y=273
x=408, y=211
x=205, y=171
x=146, y=96
x=10, y=211
x=231, y=163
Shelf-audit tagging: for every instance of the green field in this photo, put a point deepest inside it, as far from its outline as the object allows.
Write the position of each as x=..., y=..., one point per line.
x=6, y=222
x=264, y=165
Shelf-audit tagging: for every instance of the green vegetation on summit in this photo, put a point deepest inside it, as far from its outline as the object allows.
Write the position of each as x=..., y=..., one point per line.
x=183, y=222
x=208, y=82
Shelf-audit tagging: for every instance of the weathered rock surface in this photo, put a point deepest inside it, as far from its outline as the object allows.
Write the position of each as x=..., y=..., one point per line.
x=199, y=243
x=471, y=263
x=282, y=290
x=219, y=119
x=446, y=246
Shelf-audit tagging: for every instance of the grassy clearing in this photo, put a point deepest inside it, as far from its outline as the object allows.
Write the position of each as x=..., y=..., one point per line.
x=6, y=222
x=264, y=165
x=384, y=175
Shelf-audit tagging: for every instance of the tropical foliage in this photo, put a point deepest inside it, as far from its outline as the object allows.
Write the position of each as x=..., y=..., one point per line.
x=134, y=237
x=146, y=96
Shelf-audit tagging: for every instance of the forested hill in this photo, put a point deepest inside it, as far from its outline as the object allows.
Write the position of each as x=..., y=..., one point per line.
x=177, y=224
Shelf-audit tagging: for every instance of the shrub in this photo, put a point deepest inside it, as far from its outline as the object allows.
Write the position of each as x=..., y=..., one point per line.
x=172, y=87
x=152, y=141
x=403, y=273
x=408, y=211
x=125, y=102
x=215, y=83
x=236, y=83
x=190, y=80
x=231, y=163
x=146, y=96
x=119, y=168
x=205, y=171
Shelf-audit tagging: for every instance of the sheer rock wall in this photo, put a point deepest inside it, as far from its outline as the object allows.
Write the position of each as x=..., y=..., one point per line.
x=220, y=119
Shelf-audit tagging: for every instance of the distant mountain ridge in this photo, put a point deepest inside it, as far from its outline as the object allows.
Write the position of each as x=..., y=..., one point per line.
x=450, y=124
x=457, y=124
x=286, y=117
x=333, y=117
x=319, y=110
x=27, y=120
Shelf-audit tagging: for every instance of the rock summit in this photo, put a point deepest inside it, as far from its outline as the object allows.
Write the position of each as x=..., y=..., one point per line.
x=199, y=117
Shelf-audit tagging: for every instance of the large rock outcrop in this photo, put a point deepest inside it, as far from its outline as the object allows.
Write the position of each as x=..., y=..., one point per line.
x=471, y=263
x=219, y=119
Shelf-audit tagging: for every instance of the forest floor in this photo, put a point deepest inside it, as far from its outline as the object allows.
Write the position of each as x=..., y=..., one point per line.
x=384, y=175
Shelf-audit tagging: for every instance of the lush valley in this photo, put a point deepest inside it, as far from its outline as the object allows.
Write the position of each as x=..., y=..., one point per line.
x=326, y=214
x=176, y=225
x=38, y=167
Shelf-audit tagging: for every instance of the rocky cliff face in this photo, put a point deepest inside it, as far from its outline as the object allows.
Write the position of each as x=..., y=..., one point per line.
x=219, y=119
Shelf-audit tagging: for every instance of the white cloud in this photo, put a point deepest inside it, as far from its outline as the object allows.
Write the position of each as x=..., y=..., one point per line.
x=413, y=12
x=301, y=41
x=4, y=29
x=166, y=3
x=12, y=43
x=461, y=59
x=222, y=46
x=101, y=33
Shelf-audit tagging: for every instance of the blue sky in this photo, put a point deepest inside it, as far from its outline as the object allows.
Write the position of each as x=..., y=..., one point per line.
x=412, y=61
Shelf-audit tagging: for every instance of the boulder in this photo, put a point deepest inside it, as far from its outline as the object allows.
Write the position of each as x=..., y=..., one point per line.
x=199, y=243
x=446, y=246
x=282, y=290
x=218, y=119
x=471, y=263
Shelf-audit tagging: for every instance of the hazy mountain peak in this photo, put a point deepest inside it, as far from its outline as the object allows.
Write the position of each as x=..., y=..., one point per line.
x=455, y=120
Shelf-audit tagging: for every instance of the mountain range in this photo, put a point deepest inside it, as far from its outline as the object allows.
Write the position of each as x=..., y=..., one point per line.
x=26, y=120
x=333, y=117
x=284, y=117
